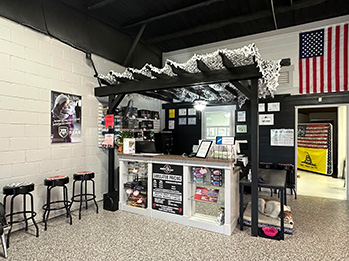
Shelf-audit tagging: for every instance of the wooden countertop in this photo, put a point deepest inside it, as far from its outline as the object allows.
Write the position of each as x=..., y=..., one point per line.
x=177, y=157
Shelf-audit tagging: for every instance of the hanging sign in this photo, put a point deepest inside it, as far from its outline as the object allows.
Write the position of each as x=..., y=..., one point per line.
x=167, y=193
x=109, y=121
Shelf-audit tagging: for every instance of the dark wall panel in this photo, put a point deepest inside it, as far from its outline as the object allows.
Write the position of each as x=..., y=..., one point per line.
x=184, y=136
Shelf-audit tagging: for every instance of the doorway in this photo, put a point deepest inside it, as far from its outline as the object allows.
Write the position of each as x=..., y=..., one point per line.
x=331, y=182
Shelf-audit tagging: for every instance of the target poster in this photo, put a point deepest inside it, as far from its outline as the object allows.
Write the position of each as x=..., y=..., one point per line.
x=65, y=117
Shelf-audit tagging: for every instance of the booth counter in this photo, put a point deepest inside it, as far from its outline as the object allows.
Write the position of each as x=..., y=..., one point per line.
x=202, y=193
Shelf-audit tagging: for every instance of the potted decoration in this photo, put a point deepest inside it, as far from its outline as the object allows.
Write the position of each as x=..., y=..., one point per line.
x=120, y=138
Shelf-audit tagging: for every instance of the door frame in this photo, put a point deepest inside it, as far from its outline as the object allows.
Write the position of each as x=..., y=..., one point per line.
x=296, y=139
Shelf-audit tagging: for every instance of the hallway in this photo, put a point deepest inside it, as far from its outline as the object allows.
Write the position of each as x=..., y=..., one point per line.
x=317, y=185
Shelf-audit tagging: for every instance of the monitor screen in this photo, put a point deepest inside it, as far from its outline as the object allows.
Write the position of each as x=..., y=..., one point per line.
x=145, y=146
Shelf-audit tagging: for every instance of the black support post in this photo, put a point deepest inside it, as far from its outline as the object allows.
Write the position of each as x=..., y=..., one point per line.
x=254, y=155
x=111, y=152
x=111, y=199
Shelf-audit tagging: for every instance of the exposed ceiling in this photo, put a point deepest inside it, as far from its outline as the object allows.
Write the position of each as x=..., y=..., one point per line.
x=171, y=24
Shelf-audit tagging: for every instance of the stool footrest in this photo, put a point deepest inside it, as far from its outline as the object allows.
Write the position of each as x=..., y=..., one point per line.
x=92, y=197
x=44, y=207
x=32, y=215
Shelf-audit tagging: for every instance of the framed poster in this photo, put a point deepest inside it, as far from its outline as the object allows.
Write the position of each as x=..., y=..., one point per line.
x=129, y=146
x=241, y=128
x=241, y=116
x=282, y=137
x=182, y=112
x=203, y=149
x=274, y=106
x=171, y=124
x=266, y=119
x=65, y=117
x=191, y=120
x=182, y=121
x=261, y=107
x=191, y=111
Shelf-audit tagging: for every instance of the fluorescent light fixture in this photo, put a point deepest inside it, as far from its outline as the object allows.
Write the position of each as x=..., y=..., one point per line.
x=200, y=104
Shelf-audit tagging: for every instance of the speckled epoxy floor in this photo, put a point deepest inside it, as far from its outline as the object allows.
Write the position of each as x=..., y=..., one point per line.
x=321, y=233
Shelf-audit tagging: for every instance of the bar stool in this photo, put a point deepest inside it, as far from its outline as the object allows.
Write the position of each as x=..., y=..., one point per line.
x=2, y=225
x=83, y=177
x=14, y=190
x=51, y=182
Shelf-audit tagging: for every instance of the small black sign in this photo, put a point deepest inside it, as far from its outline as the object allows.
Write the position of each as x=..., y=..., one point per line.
x=168, y=188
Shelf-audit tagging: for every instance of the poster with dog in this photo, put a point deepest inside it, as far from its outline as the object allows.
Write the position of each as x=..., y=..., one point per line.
x=65, y=117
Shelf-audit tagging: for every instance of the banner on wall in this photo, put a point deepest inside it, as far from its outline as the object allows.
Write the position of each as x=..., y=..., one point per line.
x=65, y=117
x=314, y=160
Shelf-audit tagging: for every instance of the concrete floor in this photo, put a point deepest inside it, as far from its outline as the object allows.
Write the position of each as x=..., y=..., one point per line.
x=316, y=185
x=321, y=232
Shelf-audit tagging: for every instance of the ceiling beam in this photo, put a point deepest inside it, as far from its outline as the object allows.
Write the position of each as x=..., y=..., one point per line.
x=223, y=75
x=134, y=44
x=202, y=66
x=156, y=96
x=232, y=91
x=209, y=89
x=242, y=88
x=100, y=4
x=168, y=94
x=233, y=20
x=186, y=9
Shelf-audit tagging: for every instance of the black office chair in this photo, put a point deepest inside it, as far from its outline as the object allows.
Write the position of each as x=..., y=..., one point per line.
x=2, y=225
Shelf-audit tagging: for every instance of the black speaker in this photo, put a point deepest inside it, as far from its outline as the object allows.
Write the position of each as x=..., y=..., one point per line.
x=111, y=201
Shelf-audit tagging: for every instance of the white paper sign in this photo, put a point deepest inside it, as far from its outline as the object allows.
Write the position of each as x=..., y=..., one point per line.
x=191, y=111
x=171, y=125
x=182, y=112
x=282, y=137
x=261, y=107
x=241, y=116
x=192, y=121
x=182, y=121
x=266, y=119
x=274, y=106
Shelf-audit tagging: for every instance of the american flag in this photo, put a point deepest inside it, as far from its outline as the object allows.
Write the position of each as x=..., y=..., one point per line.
x=314, y=136
x=323, y=60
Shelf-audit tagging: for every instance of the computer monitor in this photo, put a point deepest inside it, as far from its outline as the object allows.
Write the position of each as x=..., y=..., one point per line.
x=145, y=146
x=164, y=142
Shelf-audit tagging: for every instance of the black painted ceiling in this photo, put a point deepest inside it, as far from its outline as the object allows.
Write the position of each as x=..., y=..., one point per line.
x=174, y=24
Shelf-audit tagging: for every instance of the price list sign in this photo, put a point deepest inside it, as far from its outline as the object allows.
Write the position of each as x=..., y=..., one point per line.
x=167, y=193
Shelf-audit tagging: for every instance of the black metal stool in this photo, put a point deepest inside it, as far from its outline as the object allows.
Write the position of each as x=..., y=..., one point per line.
x=83, y=177
x=51, y=182
x=14, y=190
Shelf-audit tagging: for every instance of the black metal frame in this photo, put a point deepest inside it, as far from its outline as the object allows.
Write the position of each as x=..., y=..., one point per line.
x=24, y=212
x=47, y=207
x=92, y=196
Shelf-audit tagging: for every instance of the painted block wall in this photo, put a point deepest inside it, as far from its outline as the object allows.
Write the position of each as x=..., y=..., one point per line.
x=31, y=65
x=277, y=44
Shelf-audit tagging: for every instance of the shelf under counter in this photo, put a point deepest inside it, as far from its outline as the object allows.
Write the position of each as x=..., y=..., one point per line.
x=219, y=202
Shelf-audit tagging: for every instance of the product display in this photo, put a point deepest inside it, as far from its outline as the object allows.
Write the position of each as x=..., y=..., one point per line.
x=136, y=186
x=206, y=194
x=199, y=175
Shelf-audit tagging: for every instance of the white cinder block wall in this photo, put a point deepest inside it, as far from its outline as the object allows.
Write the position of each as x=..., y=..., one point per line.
x=277, y=44
x=31, y=65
